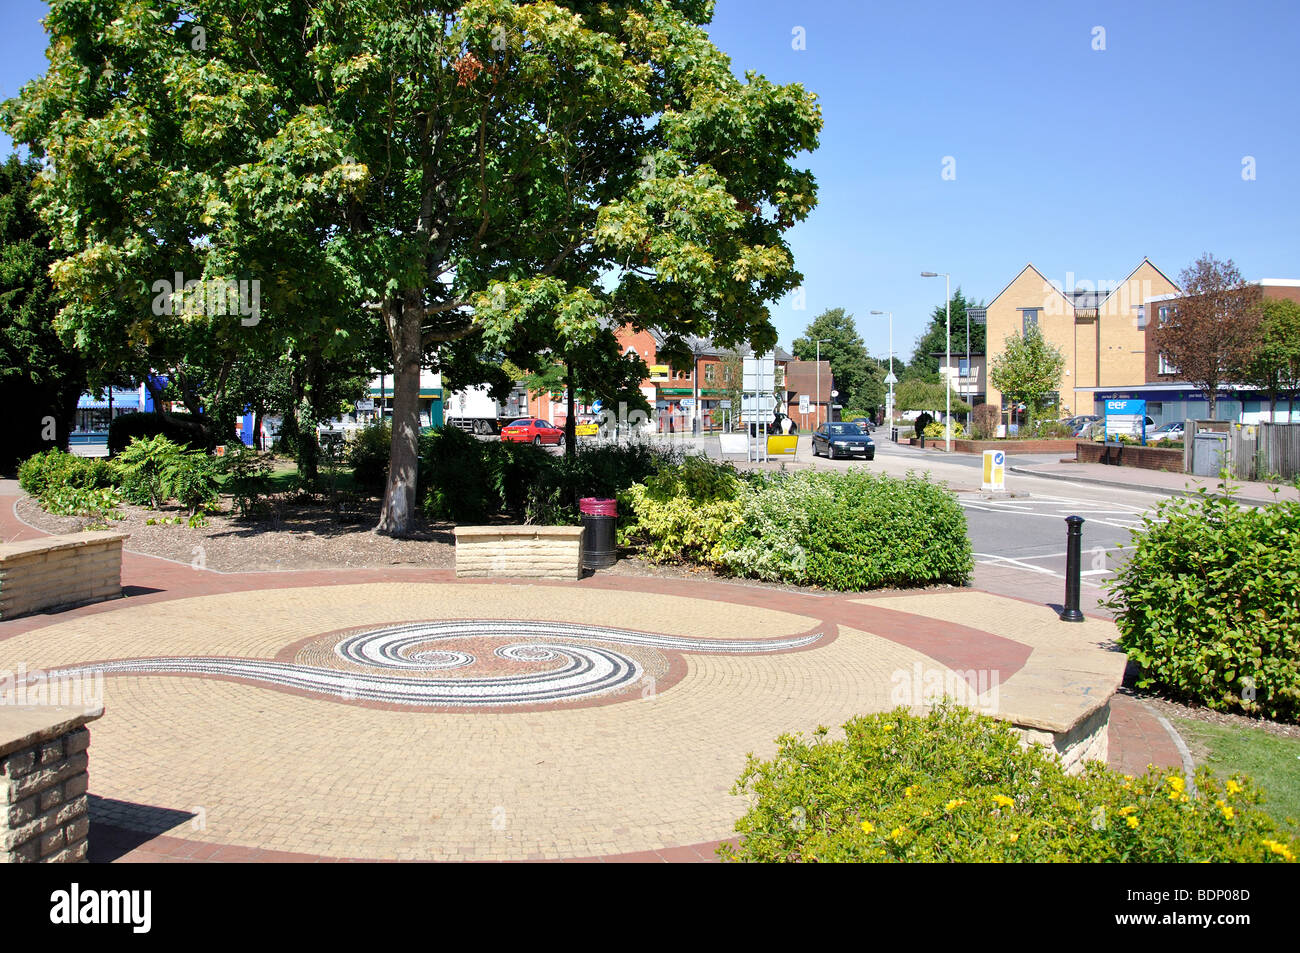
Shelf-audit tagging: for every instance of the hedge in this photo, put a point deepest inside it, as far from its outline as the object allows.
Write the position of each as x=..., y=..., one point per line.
x=1208, y=606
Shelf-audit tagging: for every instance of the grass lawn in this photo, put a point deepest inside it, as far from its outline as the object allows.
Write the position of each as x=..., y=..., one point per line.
x=1272, y=761
x=284, y=478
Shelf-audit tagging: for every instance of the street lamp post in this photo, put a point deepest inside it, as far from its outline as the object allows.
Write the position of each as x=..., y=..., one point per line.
x=890, y=411
x=947, y=391
x=820, y=341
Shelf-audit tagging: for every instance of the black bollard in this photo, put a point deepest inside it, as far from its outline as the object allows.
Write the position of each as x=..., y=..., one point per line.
x=1073, y=557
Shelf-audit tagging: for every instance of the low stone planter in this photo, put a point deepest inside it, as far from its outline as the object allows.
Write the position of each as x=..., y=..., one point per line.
x=60, y=571
x=43, y=760
x=541, y=552
x=1130, y=455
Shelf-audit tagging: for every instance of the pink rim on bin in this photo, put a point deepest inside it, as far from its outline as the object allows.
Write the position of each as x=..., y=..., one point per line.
x=597, y=506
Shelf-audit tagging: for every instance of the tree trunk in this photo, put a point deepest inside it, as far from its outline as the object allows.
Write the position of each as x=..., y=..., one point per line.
x=406, y=316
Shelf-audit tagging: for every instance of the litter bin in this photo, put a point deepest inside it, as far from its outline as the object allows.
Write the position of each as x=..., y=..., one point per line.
x=598, y=518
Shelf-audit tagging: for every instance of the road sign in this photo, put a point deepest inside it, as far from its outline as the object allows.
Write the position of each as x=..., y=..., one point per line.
x=724, y=405
x=365, y=405
x=687, y=403
x=835, y=393
x=890, y=378
x=805, y=404
x=995, y=462
x=757, y=407
x=759, y=372
x=1127, y=418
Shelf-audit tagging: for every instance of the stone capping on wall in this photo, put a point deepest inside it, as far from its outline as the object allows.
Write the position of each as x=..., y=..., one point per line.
x=541, y=552
x=44, y=808
x=60, y=571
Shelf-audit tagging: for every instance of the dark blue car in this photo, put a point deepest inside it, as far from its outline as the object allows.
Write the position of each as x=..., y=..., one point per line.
x=843, y=440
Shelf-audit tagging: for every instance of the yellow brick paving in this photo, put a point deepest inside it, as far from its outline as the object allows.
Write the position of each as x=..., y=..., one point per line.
x=1071, y=666
x=264, y=768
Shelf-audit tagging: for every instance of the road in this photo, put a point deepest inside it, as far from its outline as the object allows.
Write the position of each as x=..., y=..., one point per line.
x=1019, y=540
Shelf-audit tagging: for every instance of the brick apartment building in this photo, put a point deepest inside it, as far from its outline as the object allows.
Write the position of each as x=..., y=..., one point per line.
x=1100, y=328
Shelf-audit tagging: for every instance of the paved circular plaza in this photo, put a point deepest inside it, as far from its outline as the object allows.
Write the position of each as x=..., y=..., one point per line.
x=405, y=714
x=450, y=720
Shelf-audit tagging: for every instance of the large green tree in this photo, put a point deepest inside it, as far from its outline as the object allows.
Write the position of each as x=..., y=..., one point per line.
x=480, y=169
x=40, y=378
x=1028, y=369
x=857, y=376
x=925, y=363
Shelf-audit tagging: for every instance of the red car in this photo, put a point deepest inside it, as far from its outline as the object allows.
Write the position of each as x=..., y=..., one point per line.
x=532, y=431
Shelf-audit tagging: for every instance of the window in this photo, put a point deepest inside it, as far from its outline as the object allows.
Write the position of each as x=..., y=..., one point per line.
x=1142, y=316
x=708, y=372
x=1164, y=316
x=1165, y=366
x=1155, y=408
x=963, y=368
x=1030, y=316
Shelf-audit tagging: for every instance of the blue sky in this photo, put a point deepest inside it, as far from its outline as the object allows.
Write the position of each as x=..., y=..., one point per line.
x=1076, y=159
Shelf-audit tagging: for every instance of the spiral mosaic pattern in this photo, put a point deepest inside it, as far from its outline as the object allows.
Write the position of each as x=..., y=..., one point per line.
x=400, y=664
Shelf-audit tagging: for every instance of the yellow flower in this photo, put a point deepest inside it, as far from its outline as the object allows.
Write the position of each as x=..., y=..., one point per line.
x=1126, y=811
x=1175, y=782
x=1227, y=811
x=1015, y=836
x=955, y=803
x=1133, y=823
x=1233, y=787
x=1001, y=800
x=896, y=833
x=1280, y=849
x=907, y=791
x=888, y=727
x=868, y=827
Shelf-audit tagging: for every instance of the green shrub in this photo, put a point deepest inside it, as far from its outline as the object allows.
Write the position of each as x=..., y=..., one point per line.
x=683, y=512
x=194, y=483
x=248, y=476
x=100, y=503
x=454, y=475
x=850, y=531
x=936, y=429
x=984, y=421
x=154, y=470
x=368, y=454
x=468, y=480
x=955, y=786
x=67, y=485
x=1209, y=604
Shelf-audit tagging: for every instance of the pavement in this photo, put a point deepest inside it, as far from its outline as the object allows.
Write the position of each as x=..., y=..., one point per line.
x=402, y=714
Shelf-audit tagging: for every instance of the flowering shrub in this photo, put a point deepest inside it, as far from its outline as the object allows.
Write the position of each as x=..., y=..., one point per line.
x=1209, y=604
x=953, y=785
x=847, y=531
x=937, y=429
x=683, y=512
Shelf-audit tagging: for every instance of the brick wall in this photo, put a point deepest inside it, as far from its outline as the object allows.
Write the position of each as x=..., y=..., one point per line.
x=1145, y=458
x=59, y=571
x=545, y=552
x=44, y=809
